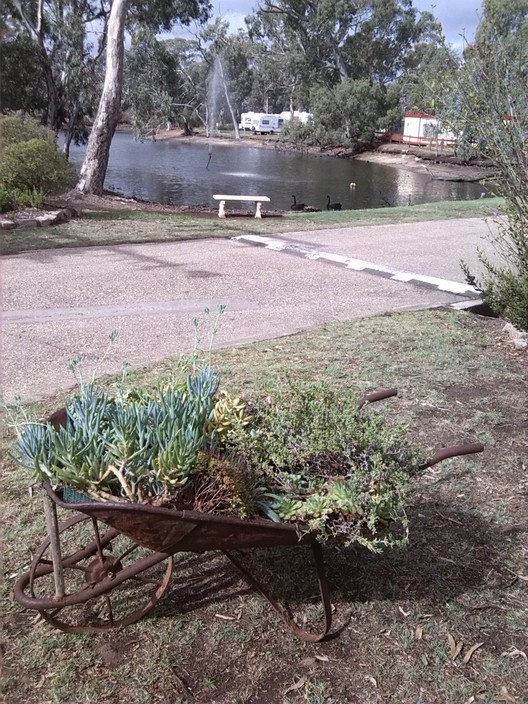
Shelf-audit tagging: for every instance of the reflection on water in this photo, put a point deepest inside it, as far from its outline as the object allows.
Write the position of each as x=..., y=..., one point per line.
x=177, y=173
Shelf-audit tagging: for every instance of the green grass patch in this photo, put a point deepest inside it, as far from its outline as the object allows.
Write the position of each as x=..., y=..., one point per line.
x=101, y=228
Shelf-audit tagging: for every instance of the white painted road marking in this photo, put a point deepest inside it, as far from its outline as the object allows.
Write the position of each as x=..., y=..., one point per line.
x=279, y=245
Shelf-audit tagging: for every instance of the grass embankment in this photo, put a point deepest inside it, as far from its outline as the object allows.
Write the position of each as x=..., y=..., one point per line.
x=408, y=622
x=130, y=226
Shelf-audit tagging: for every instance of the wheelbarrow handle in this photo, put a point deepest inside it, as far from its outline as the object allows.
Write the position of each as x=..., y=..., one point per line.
x=376, y=396
x=455, y=451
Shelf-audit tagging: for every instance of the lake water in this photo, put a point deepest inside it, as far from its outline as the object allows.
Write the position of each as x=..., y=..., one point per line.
x=181, y=174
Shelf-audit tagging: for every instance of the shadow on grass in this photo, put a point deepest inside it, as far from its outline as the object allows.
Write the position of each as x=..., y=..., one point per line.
x=451, y=551
x=198, y=581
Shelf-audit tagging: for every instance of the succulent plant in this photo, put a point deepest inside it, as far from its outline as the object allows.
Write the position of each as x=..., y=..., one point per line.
x=306, y=455
x=230, y=412
x=343, y=497
x=130, y=448
x=288, y=509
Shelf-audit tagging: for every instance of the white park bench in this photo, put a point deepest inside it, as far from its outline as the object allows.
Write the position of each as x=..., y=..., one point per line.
x=247, y=199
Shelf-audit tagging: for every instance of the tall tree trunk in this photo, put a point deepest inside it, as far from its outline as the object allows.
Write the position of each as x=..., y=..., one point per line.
x=340, y=61
x=93, y=170
x=70, y=129
x=52, y=108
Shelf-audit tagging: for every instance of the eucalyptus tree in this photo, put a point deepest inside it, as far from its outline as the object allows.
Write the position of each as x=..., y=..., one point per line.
x=22, y=85
x=93, y=170
x=151, y=83
x=151, y=14
x=276, y=86
x=350, y=51
x=428, y=85
x=70, y=59
x=67, y=58
x=504, y=20
x=190, y=108
x=367, y=39
x=283, y=71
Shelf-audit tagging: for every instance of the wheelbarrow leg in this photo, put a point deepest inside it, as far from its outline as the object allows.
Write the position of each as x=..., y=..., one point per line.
x=285, y=612
x=52, y=526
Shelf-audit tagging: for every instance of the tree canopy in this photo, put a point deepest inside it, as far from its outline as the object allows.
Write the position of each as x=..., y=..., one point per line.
x=355, y=64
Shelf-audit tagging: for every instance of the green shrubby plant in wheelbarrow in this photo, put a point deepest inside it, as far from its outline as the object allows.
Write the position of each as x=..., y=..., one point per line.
x=187, y=467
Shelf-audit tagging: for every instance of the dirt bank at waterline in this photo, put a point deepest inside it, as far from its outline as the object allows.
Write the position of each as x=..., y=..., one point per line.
x=258, y=141
x=440, y=171
x=408, y=159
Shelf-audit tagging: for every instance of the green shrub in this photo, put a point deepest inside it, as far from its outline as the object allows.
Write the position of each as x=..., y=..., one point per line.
x=22, y=129
x=488, y=104
x=320, y=460
x=506, y=292
x=29, y=198
x=6, y=200
x=35, y=164
x=13, y=198
x=503, y=288
x=504, y=281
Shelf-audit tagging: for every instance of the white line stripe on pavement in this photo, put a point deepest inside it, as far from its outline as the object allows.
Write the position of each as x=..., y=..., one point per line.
x=278, y=245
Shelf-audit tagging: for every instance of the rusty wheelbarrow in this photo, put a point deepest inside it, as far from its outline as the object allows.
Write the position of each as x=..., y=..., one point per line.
x=110, y=563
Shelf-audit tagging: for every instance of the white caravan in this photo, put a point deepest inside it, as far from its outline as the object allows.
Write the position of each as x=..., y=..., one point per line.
x=302, y=117
x=260, y=123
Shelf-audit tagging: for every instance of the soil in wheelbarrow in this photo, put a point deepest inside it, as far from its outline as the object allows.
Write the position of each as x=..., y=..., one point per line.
x=444, y=621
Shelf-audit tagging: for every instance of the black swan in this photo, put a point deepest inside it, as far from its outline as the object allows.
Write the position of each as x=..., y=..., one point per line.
x=332, y=206
x=297, y=206
x=385, y=201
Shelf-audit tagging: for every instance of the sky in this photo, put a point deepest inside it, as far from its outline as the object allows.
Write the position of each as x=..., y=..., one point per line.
x=456, y=16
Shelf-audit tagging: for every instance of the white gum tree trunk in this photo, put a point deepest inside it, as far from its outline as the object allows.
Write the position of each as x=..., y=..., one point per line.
x=95, y=163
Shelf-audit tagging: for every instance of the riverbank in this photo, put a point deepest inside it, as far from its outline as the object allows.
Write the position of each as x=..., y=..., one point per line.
x=422, y=161
x=404, y=157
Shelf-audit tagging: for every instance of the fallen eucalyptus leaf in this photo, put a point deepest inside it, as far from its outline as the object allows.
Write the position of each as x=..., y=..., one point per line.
x=467, y=657
x=514, y=653
x=454, y=647
x=296, y=685
x=458, y=649
x=452, y=644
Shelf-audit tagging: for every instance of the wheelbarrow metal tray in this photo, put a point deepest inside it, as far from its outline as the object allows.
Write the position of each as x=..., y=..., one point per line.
x=169, y=530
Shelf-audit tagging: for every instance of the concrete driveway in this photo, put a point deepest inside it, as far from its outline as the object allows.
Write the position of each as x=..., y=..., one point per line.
x=58, y=304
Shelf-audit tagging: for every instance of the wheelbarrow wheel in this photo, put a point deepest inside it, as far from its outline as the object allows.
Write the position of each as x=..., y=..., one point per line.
x=100, y=563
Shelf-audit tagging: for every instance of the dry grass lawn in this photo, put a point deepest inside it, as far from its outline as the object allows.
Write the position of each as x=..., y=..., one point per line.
x=442, y=622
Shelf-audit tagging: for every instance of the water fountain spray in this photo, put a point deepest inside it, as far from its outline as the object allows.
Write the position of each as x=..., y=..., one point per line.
x=217, y=90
